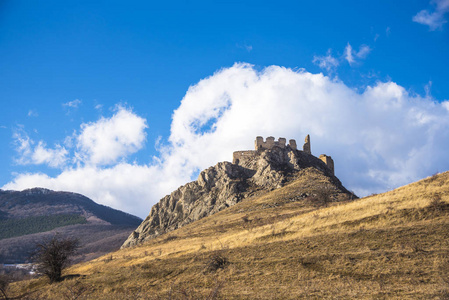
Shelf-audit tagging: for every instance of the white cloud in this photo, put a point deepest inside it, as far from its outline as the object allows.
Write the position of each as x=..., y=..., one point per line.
x=434, y=19
x=53, y=157
x=72, y=104
x=32, y=113
x=351, y=55
x=363, y=52
x=245, y=46
x=445, y=104
x=110, y=139
x=380, y=138
x=348, y=54
x=328, y=62
x=39, y=154
x=103, y=142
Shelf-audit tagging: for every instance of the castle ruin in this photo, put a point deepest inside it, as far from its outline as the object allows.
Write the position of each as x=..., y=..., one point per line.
x=270, y=143
x=328, y=161
x=306, y=147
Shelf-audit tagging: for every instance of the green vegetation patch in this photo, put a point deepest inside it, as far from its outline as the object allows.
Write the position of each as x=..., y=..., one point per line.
x=18, y=227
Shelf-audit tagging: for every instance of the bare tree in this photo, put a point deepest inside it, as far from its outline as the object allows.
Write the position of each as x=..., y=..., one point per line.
x=323, y=195
x=53, y=256
x=4, y=282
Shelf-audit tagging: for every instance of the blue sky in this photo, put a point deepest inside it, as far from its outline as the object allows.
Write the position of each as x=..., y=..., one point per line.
x=112, y=87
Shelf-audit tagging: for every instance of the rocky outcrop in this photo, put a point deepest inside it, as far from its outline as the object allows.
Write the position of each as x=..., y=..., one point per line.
x=224, y=185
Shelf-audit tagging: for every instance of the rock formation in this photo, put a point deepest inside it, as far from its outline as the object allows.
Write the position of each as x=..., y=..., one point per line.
x=270, y=166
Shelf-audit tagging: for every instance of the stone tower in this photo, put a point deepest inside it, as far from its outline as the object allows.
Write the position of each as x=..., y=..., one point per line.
x=328, y=161
x=306, y=147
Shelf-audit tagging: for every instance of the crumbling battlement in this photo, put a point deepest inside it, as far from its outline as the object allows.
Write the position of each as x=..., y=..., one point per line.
x=270, y=143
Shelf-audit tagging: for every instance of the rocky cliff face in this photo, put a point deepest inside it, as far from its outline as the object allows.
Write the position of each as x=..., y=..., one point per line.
x=224, y=185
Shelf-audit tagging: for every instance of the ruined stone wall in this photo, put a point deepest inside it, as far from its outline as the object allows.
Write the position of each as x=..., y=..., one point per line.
x=242, y=155
x=328, y=161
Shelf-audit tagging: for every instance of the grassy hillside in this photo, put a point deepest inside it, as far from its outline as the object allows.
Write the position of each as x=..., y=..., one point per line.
x=284, y=245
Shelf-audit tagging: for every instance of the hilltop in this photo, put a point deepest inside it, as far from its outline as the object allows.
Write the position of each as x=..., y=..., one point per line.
x=29, y=216
x=271, y=165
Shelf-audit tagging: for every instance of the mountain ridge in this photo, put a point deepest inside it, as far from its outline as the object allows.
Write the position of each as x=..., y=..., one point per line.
x=31, y=215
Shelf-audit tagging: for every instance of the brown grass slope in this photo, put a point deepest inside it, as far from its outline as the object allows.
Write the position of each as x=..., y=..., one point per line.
x=280, y=245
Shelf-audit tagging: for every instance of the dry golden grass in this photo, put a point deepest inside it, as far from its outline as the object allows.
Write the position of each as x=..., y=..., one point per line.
x=280, y=246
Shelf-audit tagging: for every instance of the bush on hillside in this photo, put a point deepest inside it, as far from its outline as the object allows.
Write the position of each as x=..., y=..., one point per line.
x=4, y=282
x=322, y=195
x=216, y=261
x=53, y=256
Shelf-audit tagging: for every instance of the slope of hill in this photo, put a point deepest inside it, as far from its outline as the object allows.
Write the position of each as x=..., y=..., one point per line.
x=280, y=245
x=31, y=215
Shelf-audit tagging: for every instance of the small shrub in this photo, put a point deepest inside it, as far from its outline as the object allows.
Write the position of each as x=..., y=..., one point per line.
x=216, y=261
x=434, y=177
x=322, y=196
x=108, y=259
x=170, y=238
x=436, y=204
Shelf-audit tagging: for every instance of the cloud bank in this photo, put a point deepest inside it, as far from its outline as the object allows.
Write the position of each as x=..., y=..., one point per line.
x=380, y=138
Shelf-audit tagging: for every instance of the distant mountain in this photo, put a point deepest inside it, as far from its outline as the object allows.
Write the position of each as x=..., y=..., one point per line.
x=32, y=215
